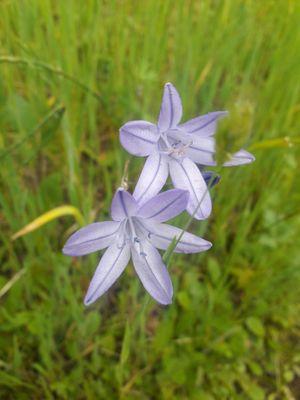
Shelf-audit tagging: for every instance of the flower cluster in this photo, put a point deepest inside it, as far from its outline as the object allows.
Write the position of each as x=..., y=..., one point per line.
x=137, y=228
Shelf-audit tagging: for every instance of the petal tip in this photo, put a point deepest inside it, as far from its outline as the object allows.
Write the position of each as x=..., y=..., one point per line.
x=88, y=301
x=249, y=157
x=241, y=157
x=67, y=251
x=208, y=245
x=252, y=158
x=200, y=214
x=167, y=301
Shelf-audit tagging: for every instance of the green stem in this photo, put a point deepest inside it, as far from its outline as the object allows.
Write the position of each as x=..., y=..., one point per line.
x=56, y=110
x=57, y=71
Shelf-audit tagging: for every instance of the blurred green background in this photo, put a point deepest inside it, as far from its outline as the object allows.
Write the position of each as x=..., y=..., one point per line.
x=71, y=73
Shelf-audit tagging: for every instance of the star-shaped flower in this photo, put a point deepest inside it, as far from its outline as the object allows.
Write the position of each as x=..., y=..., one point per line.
x=176, y=149
x=136, y=231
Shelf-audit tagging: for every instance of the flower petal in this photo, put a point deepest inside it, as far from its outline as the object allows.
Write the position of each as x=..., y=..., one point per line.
x=202, y=150
x=161, y=236
x=205, y=125
x=153, y=273
x=152, y=178
x=165, y=205
x=139, y=137
x=171, y=108
x=239, y=158
x=211, y=179
x=123, y=205
x=112, y=264
x=91, y=238
x=186, y=175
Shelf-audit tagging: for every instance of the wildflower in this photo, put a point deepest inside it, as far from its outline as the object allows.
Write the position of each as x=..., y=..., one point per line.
x=135, y=231
x=176, y=149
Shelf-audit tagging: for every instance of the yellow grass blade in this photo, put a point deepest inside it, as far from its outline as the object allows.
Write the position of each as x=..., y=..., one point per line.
x=49, y=216
x=11, y=282
x=286, y=141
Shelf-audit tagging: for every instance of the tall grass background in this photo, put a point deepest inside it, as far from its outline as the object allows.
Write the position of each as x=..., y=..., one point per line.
x=71, y=73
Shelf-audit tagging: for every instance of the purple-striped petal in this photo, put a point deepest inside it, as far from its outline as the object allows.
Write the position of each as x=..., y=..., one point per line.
x=153, y=273
x=91, y=238
x=239, y=158
x=152, y=178
x=202, y=150
x=204, y=125
x=171, y=108
x=139, y=137
x=111, y=266
x=186, y=175
x=165, y=205
x=161, y=236
x=123, y=205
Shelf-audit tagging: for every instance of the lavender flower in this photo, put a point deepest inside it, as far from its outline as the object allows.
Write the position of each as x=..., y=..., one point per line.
x=176, y=149
x=136, y=231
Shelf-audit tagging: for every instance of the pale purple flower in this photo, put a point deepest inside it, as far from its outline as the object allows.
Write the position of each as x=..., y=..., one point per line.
x=176, y=149
x=136, y=231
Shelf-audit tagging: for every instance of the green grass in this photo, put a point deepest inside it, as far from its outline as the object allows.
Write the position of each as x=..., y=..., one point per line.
x=71, y=73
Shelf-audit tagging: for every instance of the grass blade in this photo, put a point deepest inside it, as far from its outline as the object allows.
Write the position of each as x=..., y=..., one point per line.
x=49, y=216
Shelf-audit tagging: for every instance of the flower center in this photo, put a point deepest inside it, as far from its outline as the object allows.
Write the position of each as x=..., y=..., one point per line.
x=132, y=237
x=171, y=143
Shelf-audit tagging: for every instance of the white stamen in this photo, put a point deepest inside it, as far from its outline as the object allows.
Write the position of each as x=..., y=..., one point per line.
x=181, y=150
